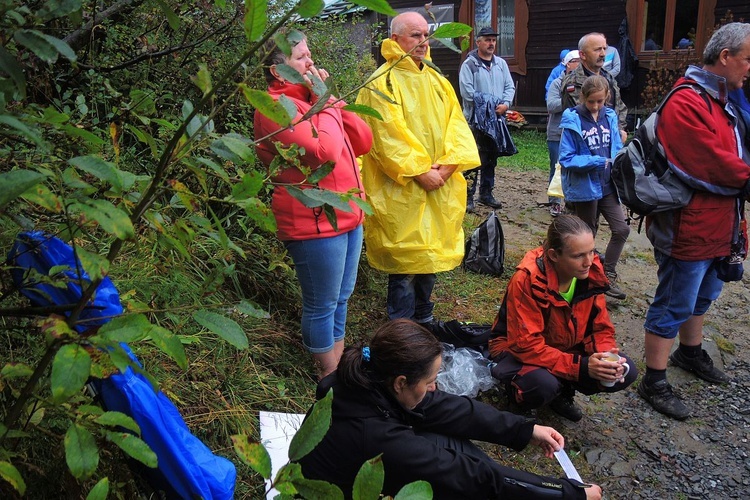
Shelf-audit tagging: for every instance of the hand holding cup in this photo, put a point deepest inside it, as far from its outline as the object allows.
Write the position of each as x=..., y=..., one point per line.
x=612, y=358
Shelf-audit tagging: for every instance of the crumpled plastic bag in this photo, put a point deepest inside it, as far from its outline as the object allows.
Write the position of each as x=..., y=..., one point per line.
x=464, y=372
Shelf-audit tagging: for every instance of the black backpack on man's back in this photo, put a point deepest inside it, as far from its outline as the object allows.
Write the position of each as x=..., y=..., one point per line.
x=640, y=172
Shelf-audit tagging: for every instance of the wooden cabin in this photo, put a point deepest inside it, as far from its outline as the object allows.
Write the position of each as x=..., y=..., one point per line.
x=532, y=34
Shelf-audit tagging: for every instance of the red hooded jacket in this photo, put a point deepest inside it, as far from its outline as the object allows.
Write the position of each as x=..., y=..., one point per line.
x=700, y=141
x=330, y=135
x=538, y=327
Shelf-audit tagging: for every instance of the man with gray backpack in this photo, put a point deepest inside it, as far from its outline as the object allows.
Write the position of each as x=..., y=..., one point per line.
x=705, y=145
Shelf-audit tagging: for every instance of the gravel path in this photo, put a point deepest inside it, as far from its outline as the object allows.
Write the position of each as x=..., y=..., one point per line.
x=621, y=443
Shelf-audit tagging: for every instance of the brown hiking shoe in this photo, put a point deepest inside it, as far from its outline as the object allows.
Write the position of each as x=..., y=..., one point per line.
x=614, y=290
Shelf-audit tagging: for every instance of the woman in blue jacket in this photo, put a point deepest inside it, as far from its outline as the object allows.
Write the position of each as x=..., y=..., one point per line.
x=589, y=142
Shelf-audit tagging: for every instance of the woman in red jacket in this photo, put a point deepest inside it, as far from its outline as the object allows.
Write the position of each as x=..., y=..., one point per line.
x=553, y=332
x=325, y=256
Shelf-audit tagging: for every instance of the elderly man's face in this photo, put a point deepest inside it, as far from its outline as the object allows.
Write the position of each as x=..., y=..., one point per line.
x=737, y=67
x=413, y=36
x=592, y=54
x=572, y=65
x=486, y=46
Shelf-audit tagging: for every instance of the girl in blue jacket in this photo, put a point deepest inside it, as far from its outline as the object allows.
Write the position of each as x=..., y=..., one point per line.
x=589, y=142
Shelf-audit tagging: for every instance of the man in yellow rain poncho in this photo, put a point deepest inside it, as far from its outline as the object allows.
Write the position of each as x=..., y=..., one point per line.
x=412, y=174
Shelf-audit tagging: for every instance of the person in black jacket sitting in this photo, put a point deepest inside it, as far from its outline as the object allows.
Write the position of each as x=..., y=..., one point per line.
x=385, y=401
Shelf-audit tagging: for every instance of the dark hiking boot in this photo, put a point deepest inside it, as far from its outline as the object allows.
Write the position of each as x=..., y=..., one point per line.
x=702, y=366
x=660, y=396
x=490, y=201
x=470, y=204
x=614, y=290
x=565, y=405
x=518, y=408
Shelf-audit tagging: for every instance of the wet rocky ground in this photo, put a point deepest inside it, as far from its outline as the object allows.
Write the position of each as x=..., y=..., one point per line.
x=622, y=444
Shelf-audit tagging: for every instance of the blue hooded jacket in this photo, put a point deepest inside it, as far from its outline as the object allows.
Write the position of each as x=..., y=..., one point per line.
x=580, y=173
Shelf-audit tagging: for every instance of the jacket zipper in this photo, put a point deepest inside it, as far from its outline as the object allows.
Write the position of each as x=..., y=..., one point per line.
x=316, y=213
x=537, y=491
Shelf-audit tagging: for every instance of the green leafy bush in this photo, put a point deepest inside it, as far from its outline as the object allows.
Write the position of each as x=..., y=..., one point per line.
x=126, y=132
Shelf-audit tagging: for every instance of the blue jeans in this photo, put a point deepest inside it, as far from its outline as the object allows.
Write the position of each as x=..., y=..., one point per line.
x=327, y=270
x=685, y=289
x=409, y=296
x=554, y=154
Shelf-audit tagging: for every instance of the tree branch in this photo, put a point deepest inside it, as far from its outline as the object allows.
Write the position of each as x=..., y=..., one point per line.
x=80, y=37
x=156, y=55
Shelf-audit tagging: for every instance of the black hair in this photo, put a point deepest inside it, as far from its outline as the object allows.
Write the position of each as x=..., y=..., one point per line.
x=399, y=347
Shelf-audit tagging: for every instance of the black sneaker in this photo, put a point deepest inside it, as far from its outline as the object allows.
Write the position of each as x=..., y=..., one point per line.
x=565, y=406
x=661, y=397
x=490, y=201
x=702, y=366
x=614, y=290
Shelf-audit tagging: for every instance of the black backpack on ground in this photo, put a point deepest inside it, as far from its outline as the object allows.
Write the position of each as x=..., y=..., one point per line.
x=485, y=249
x=463, y=334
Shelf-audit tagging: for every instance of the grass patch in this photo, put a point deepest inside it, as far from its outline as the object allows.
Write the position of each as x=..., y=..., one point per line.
x=467, y=296
x=646, y=256
x=532, y=151
x=723, y=344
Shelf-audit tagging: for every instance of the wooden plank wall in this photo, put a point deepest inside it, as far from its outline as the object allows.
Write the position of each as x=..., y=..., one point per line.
x=555, y=25
x=740, y=10
x=447, y=60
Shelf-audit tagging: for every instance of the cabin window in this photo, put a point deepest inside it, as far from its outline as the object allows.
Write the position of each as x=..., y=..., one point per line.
x=509, y=18
x=669, y=25
x=482, y=14
x=505, y=25
x=666, y=27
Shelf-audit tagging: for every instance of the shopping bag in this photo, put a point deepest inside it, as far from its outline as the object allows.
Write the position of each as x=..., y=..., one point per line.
x=555, y=189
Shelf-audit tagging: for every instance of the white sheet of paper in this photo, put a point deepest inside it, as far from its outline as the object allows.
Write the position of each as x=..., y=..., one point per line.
x=567, y=465
x=276, y=432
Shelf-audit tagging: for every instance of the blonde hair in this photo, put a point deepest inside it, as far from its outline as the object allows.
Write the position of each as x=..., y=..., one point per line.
x=562, y=228
x=272, y=55
x=594, y=83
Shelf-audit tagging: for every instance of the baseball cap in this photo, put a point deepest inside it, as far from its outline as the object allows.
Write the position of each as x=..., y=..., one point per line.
x=563, y=53
x=487, y=31
x=573, y=54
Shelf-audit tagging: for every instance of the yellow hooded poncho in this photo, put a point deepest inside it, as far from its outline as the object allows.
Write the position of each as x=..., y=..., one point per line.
x=414, y=231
